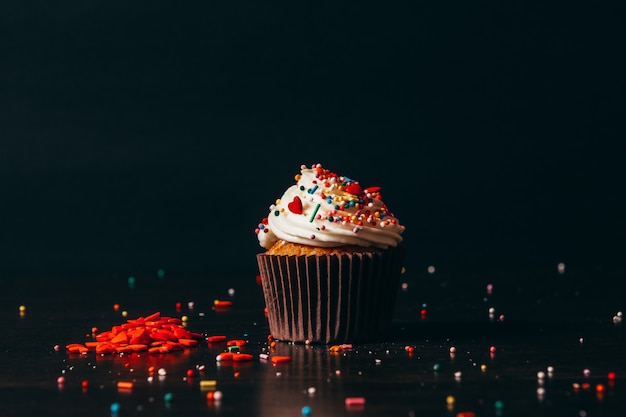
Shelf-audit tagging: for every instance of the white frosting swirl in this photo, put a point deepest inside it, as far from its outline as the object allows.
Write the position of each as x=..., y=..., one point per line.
x=328, y=210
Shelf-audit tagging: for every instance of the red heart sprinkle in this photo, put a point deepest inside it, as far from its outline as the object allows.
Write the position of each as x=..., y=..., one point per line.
x=295, y=206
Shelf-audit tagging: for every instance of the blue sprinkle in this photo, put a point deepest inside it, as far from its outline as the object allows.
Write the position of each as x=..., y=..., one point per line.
x=115, y=407
x=306, y=410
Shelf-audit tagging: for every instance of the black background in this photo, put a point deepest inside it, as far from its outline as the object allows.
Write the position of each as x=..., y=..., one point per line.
x=145, y=135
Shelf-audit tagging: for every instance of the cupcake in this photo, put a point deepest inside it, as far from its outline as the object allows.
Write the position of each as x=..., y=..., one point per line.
x=331, y=267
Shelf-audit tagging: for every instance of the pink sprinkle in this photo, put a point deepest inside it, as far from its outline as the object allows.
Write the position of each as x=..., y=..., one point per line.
x=60, y=380
x=355, y=401
x=492, y=349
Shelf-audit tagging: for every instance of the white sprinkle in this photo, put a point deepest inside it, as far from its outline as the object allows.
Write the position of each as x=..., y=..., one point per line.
x=162, y=371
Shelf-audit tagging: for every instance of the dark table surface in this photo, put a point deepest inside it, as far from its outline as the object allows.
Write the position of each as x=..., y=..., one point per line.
x=539, y=342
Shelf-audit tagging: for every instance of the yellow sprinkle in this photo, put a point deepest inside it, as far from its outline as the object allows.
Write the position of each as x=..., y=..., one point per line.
x=184, y=318
x=22, y=309
x=124, y=313
x=207, y=384
x=450, y=399
x=483, y=367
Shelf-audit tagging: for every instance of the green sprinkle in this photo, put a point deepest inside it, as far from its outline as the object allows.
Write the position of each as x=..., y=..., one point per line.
x=317, y=207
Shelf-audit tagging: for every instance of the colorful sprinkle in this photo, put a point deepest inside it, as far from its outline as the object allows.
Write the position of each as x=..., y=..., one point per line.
x=317, y=207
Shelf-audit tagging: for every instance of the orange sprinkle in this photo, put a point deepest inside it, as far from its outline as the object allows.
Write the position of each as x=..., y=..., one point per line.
x=188, y=342
x=280, y=359
x=336, y=349
x=124, y=385
x=225, y=356
x=236, y=342
x=243, y=357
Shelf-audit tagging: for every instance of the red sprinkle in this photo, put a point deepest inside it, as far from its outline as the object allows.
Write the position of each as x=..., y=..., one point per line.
x=220, y=303
x=216, y=339
x=355, y=401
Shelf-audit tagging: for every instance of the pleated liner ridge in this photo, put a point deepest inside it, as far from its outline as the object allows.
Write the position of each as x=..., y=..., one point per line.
x=331, y=299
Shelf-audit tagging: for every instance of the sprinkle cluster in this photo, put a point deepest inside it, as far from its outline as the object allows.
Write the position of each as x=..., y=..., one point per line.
x=338, y=200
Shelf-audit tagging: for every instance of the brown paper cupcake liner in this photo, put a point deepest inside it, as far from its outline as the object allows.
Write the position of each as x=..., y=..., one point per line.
x=331, y=299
